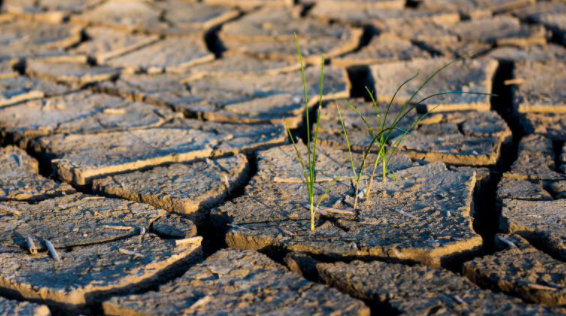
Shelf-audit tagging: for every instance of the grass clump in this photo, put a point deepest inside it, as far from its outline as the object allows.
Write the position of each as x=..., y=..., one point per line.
x=309, y=168
x=382, y=135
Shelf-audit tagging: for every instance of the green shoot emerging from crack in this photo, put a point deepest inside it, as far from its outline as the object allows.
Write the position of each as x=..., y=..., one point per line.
x=385, y=130
x=309, y=169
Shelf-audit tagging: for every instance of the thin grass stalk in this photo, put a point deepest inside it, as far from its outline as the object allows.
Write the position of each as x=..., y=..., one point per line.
x=356, y=175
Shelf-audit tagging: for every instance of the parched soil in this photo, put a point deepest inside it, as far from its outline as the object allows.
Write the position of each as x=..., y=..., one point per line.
x=146, y=166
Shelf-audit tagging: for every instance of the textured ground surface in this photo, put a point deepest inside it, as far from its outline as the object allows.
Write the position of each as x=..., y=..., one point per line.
x=145, y=168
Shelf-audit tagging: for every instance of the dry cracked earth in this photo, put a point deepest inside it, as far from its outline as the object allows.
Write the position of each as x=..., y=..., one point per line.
x=145, y=170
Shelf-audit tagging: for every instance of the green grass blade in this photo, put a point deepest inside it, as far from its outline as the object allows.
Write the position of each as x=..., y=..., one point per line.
x=300, y=158
x=313, y=173
x=347, y=142
x=306, y=95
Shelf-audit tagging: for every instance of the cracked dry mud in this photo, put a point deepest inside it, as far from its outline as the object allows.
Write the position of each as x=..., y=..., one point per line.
x=238, y=282
x=145, y=168
x=459, y=138
x=190, y=189
x=424, y=216
x=412, y=290
x=522, y=270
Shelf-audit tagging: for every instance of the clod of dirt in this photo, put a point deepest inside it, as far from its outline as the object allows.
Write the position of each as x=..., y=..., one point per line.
x=128, y=15
x=105, y=43
x=85, y=274
x=74, y=74
x=382, y=49
x=521, y=270
x=15, y=308
x=252, y=98
x=17, y=89
x=7, y=69
x=169, y=55
x=187, y=18
x=539, y=221
x=550, y=125
x=541, y=88
x=78, y=220
x=190, y=189
x=269, y=33
x=477, y=9
x=420, y=290
x=358, y=4
x=500, y=30
x=25, y=39
x=78, y=113
x=80, y=158
x=555, y=23
x=534, y=53
x=535, y=161
x=241, y=65
x=52, y=11
x=532, y=12
x=386, y=21
x=20, y=179
x=465, y=76
x=521, y=190
x=238, y=282
x=423, y=215
x=250, y=4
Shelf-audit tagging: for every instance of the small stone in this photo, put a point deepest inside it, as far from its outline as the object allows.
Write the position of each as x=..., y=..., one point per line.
x=250, y=4
x=20, y=179
x=169, y=55
x=16, y=308
x=74, y=74
x=235, y=282
x=105, y=43
x=382, y=49
x=521, y=270
x=78, y=113
x=190, y=189
x=465, y=76
x=542, y=89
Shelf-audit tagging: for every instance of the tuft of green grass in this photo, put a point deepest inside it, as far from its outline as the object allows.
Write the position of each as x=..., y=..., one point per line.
x=385, y=130
x=309, y=168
